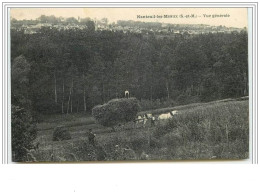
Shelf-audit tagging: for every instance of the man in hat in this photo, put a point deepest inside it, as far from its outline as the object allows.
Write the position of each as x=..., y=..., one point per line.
x=91, y=137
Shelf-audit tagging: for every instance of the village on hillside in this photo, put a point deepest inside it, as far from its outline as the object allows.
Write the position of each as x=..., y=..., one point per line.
x=156, y=28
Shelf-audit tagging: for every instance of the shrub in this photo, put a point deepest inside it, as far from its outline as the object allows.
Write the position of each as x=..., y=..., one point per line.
x=116, y=111
x=172, y=139
x=155, y=143
x=24, y=133
x=60, y=134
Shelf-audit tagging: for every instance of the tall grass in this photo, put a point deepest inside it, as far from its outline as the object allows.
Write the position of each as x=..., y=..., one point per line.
x=67, y=121
x=218, y=130
x=221, y=130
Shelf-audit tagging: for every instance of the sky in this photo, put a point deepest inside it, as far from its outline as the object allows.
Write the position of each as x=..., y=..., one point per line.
x=237, y=16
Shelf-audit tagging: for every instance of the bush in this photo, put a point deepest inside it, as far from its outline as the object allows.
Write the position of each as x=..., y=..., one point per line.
x=116, y=111
x=60, y=134
x=172, y=139
x=24, y=133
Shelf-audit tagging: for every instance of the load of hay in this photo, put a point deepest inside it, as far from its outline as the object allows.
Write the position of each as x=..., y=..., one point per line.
x=116, y=111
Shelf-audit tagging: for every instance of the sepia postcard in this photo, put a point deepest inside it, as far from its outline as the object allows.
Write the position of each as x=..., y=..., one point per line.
x=129, y=84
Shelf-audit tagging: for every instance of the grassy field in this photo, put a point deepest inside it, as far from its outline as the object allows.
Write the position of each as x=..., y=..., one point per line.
x=215, y=130
x=80, y=119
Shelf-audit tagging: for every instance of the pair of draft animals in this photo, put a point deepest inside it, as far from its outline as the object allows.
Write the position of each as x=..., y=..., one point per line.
x=164, y=116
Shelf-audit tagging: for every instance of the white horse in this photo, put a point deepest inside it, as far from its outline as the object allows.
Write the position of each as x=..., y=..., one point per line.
x=143, y=119
x=149, y=115
x=167, y=115
x=139, y=119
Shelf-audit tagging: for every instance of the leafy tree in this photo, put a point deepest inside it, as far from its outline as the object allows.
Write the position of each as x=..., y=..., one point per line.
x=72, y=20
x=103, y=64
x=23, y=133
x=20, y=82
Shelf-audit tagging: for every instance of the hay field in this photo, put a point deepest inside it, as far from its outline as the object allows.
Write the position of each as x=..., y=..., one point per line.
x=215, y=130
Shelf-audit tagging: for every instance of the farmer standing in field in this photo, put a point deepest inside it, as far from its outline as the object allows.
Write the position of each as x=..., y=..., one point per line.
x=153, y=121
x=91, y=137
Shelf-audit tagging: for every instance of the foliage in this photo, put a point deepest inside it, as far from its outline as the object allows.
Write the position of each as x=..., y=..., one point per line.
x=24, y=133
x=60, y=134
x=73, y=70
x=116, y=111
x=20, y=82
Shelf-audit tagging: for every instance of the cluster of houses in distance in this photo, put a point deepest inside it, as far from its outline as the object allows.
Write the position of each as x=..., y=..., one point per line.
x=33, y=26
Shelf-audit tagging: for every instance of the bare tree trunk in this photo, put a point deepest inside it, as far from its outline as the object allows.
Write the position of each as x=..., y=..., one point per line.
x=167, y=88
x=85, y=106
x=108, y=94
x=117, y=89
x=84, y=93
x=62, y=103
x=69, y=98
x=71, y=107
x=103, y=90
x=199, y=89
x=151, y=92
x=78, y=106
x=192, y=89
x=55, y=88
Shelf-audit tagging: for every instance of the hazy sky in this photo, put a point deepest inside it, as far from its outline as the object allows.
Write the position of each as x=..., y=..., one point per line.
x=237, y=16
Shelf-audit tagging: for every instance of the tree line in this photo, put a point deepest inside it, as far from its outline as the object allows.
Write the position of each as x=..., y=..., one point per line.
x=73, y=70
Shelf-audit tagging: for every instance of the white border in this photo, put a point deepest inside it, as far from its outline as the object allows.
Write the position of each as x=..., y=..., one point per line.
x=252, y=66
x=135, y=178
x=250, y=72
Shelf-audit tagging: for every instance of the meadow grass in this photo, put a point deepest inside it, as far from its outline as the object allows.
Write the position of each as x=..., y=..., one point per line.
x=189, y=106
x=67, y=120
x=217, y=130
x=79, y=119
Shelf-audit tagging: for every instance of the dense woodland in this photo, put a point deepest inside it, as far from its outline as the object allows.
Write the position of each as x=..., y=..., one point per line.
x=71, y=71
